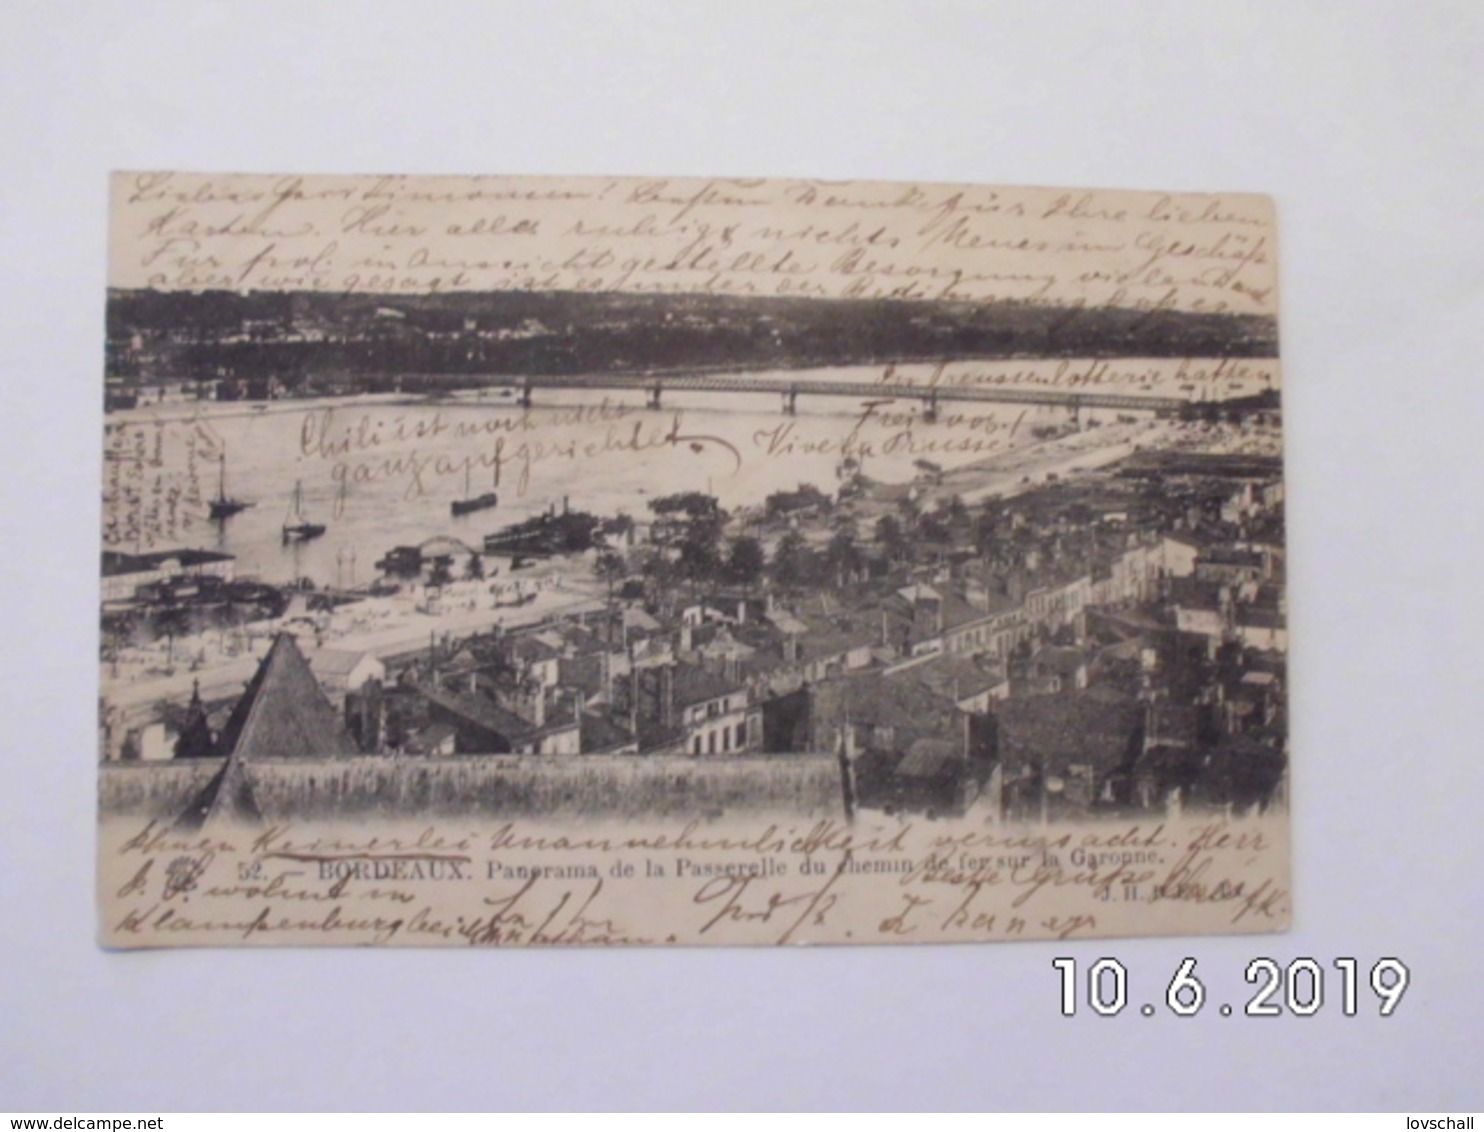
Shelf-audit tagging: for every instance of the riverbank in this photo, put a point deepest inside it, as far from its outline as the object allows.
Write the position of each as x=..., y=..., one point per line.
x=221, y=662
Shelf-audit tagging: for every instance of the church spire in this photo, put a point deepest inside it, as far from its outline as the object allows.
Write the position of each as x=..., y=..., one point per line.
x=196, y=738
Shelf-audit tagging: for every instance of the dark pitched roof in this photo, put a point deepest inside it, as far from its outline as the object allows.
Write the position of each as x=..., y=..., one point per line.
x=1192, y=593
x=930, y=758
x=482, y=712
x=1064, y=660
x=835, y=636
x=283, y=713
x=1173, y=724
x=581, y=640
x=996, y=603
x=911, y=710
x=584, y=673
x=951, y=676
x=1060, y=576
x=761, y=662
x=695, y=685
x=1230, y=556
x=1259, y=617
x=430, y=737
x=602, y=732
x=1095, y=727
x=532, y=649
x=957, y=613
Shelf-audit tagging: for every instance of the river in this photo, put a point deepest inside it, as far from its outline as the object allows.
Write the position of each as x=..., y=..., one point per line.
x=381, y=472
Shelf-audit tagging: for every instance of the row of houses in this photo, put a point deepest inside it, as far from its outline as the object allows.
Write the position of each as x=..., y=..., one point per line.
x=1105, y=676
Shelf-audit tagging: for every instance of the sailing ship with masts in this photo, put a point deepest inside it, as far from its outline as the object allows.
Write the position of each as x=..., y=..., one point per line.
x=296, y=527
x=224, y=506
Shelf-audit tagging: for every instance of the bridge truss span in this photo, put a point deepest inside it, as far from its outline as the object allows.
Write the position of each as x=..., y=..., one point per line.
x=789, y=391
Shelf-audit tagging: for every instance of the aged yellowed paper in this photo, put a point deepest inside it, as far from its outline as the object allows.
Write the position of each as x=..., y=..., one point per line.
x=507, y=561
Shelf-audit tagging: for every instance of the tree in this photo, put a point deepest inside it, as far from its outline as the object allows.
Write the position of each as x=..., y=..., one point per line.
x=891, y=538
x=793, y=561
x=746, y=561
x=910, y=509
x=843, y=556
x=699, y=556
x=984, y=531
x=932, y=528
x=620, y=525
x=658, y=572
x=610, y=569
x=788, y=502
x=692, y=504
x=699, y=532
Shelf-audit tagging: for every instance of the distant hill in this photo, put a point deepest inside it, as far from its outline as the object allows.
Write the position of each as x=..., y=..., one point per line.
x=291, y=335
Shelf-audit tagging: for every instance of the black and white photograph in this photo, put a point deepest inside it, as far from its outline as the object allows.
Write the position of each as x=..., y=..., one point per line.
x=931, y=535
x=770, y=557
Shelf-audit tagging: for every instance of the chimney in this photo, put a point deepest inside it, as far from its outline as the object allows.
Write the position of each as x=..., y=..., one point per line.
x=538, y=705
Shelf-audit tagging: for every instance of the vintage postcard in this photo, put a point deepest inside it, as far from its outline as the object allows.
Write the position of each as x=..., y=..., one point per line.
x=515, y=561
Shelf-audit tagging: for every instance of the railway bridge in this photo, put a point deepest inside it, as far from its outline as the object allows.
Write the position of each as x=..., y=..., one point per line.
x=789, y=391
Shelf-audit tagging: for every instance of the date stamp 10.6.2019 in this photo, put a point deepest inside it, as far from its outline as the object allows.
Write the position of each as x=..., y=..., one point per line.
x=1273, y=989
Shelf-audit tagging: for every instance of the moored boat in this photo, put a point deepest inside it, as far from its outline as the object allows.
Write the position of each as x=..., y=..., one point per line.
x=477, y=503
x=297, y=528
x=472, y=503
x=225, y=506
